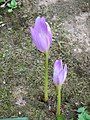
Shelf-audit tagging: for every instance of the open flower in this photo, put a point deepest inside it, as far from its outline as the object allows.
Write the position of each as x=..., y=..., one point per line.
x=41, y=34
x=60, y=72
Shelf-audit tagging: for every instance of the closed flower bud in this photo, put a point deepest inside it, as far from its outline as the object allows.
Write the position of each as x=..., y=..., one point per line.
x=60, y=72
x=41, y=34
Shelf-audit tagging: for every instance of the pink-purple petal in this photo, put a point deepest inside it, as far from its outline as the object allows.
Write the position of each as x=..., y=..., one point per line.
x=58, y=65
x=49, y=32
x=39, y=40
x=40, y=25
x=61, y=77
x=65, y=71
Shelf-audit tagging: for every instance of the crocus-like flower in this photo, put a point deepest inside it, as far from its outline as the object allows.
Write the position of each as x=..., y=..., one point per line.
x=60, y=72
x=41, y=34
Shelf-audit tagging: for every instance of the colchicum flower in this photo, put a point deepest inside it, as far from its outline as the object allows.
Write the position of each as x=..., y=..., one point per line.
x=41, y=34
x=59, y=76
x=42, y=38
x=60, y=72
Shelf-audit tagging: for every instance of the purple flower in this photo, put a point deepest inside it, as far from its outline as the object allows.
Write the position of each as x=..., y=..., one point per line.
x=41, y=34
x=60, y=72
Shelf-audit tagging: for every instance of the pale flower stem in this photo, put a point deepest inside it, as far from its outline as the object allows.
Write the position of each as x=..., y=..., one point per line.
x=58, y=100
x=46, y=79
